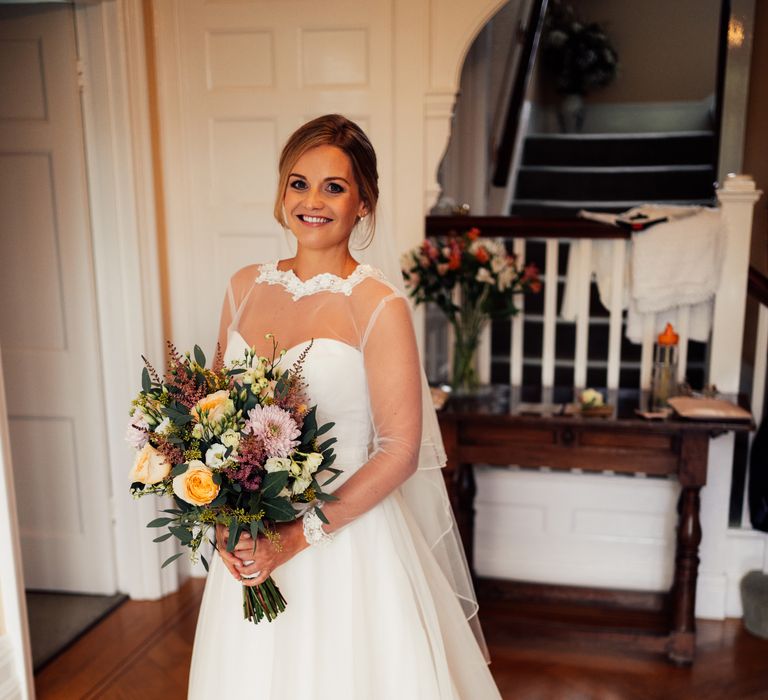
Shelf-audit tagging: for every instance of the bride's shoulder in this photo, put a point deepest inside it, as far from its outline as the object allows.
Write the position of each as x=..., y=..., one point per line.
x=374, y=285
x=248, y=273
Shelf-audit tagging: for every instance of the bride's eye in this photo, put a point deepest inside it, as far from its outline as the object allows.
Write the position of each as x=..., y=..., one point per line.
x=335, y=188
x=297, y=185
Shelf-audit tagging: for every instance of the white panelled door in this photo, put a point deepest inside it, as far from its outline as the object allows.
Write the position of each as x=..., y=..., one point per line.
x=48, y=326
x=235, y=79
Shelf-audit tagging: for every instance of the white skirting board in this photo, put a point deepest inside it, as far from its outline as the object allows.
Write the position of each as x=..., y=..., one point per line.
x=9, y=682
x=597, y=530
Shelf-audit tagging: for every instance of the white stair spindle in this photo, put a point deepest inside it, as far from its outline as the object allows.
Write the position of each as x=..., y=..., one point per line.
x=550, y=313
x=582, y=320
x=617, y=298
x=516, y=349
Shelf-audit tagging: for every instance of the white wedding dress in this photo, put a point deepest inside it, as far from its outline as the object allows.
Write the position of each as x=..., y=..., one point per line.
x=370, y=615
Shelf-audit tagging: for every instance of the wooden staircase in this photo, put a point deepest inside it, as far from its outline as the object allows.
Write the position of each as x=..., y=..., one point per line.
x=562, y=173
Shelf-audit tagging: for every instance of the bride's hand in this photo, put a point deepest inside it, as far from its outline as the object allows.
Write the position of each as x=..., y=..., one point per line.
x=229, y=559
x=254, y=566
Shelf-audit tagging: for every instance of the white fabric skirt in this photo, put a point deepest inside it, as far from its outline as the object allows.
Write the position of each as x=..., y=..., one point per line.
x=369, y=615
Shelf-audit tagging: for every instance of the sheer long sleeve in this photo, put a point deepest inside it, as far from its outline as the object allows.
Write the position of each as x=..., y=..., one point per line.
x=394, y=384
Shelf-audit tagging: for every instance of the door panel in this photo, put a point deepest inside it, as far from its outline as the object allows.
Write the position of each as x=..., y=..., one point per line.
x=48, y=326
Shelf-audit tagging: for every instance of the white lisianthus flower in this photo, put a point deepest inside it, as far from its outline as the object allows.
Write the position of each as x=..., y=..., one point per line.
x=300, y=486
x=484, y=275
x=197, y=431
x=230, y=438
x=214, y=456
x=164, y=426
x=278, y=464
x=312, y=462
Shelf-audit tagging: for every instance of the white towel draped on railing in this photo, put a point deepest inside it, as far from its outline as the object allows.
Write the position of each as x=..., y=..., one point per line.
x=672, y=270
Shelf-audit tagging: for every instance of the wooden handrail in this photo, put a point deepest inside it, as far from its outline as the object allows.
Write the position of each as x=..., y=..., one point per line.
x=524, y=69
x=523, y=227
x=757, y=285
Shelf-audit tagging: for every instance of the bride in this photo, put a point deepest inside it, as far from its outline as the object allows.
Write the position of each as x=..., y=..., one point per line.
x=380, y=605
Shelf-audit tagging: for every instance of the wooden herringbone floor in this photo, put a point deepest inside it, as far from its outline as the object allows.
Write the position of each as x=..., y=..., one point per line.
x=142, y=651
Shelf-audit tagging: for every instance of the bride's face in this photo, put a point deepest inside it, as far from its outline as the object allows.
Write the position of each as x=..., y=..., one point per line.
x=322, y=199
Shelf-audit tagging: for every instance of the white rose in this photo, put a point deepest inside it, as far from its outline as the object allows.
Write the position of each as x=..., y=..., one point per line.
x=150, y=466
x=230, y=438
x=278, y=464
x=591, y=398
x=214, y=456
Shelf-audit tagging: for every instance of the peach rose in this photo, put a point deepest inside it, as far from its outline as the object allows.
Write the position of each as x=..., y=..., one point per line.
x=218, y=405
x=150, y=466
x=196, y=485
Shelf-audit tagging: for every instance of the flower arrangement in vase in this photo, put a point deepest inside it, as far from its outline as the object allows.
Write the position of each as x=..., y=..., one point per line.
x=471, y=280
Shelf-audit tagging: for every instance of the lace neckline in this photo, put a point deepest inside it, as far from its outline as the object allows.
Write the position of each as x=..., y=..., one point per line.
x=324, y=282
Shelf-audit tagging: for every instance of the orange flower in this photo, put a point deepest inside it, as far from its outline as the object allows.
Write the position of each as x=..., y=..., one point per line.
x=473, y=234
x=454, y=260
x=482, y=255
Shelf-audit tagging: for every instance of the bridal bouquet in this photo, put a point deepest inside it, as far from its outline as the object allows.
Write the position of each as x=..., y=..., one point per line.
x=235, y=445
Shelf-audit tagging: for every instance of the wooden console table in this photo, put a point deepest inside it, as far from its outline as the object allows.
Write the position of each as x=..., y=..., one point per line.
x=490, y=429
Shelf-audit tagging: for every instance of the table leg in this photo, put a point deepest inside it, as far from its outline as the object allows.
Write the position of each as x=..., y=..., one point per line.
x=464, y=507
x=682, y=638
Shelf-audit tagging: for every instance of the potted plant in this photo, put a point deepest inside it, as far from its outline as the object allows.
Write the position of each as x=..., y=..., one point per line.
x=579, y=56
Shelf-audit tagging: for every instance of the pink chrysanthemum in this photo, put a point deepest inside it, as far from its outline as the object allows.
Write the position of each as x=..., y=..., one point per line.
x=275, y=428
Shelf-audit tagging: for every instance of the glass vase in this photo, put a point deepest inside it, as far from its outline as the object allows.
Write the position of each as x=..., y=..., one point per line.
x=468, y=325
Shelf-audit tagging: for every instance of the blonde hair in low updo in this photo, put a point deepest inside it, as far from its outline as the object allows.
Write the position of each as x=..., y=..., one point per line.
x=333, y=130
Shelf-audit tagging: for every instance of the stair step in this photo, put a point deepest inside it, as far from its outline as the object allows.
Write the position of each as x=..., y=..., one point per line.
x=612, y=184
x=538, y=208
x=654, y=148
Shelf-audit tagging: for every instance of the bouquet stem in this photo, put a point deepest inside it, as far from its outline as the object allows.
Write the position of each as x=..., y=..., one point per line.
x=264, y=600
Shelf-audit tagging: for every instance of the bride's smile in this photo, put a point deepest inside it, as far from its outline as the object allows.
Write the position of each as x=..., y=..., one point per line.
x=322, y=196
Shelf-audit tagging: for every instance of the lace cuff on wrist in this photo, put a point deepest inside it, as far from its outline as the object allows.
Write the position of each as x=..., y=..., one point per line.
x=313, y=529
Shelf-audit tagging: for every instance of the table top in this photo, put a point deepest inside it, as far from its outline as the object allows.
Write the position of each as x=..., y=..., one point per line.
x=502, y=403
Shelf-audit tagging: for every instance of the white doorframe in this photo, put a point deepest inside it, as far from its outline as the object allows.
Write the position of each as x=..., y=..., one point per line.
x=115, y=103
x=13, y=604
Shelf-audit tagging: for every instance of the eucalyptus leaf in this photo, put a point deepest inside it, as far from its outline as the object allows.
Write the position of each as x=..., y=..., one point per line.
x=179, y=469
x=326, y=496
x=232, y=535
x=164, y=537
x=146, y=382
x=274, y=483
x=220, y=500
x=160, y=522
x=279, y=509
x=323, y=429
x=327, y=444
x=170, y=559
x=199, y=356
x=205, y=562
x=321, y=515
